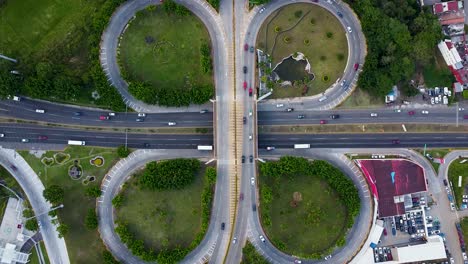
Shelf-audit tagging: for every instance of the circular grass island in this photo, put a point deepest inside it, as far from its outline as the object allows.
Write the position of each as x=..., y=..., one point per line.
x=306, y=207
x=312, y=31
x=163, y=210
x=166, y=58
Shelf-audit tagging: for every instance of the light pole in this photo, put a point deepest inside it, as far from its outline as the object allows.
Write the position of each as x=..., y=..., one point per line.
x=50, y=210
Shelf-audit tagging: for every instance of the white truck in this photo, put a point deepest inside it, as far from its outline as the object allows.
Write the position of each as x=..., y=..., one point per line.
x=301, y=146
x=76, y=142
x=200, y=147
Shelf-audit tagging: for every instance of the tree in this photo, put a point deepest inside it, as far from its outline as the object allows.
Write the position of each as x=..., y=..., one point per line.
x=31, y=224
x=108, y=258
x=169, y=174
x=54, y=194
x=123, y=151
x=62, y=229
x=93, y=191
x=118, y=200
x=91, y=220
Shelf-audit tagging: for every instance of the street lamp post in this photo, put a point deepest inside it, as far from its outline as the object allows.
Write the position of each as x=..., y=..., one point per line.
x=48, y=211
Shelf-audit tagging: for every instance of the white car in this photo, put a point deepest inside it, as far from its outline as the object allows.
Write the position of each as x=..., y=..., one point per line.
x=432, y=100
x=349, y=29
x=328, y=257
x=261, y=10
x=2, y=135
x=234, y=240
x=111, y=114
x=373, y=114
x=141, y=114
x=250, y=113
x=262, y=238
x=398, y=110
x=279, y=105
x=250, y=137
x=172, y=123
x=464, y=256
x=452, y=207
x=25, y=140
x=252, y=181
x=424, y=112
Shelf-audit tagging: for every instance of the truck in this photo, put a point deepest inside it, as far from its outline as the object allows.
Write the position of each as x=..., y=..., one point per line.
x=301, y=146
x=76, y=142
x=200, y=147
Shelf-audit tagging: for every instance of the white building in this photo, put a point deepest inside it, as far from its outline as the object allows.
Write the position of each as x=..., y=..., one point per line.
x=450, y=54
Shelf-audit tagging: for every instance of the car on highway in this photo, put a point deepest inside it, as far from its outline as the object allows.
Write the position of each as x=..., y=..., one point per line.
x=103, y=117
x=146, y=145
x=328, y=257
x=171, y=123
x=243, y=159
x=252, y=49
x=241, y=196
x=2, y=135
x=204, y=111
x=445, y=182
x=254, y=207
x=335, y=116
x=290, y=110
x=246, y=47
x=356, y=66
x=270, y=148
x=397, y=110
x=250, y=91
x=250, y=137
x=411, y=113
x=141, y=114
x=251, y=158
x=42, y=137
x=245, y=85
x=111, y=114
x=424, y=112
x=223, y=226
x=373, y=114
x=349, y=29
x=40, y=111
x=140, y=119
x=244, y=120
x=323, y=122
x=25, y=140
x=77, y=113
x=340, y=14
x=300, y=116
x=262, y=238
x=279, y=105
x=252, y=181
x=395, y=141
x=234, y=240
x=298, y=261
x=244, y=69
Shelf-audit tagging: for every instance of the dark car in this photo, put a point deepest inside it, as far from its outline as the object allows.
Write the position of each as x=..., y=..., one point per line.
x=356, y=66
x=290, y=109
x=243, y=159
x=254, y=207
x=335, y=116
x=246, y=46
x=13, y=167
x=244, y=120
x=252, y=49
x=300, y=116
x=411, y=113
x=445, y=182
x=340, y=14
x=250, y=91
x=241, y=196
x=251, y=158
x=42, y=137
x=396, y=141
x=77, y=113
x=245, y=69
x=146, y=145
x=140, y=119
x=223, y=225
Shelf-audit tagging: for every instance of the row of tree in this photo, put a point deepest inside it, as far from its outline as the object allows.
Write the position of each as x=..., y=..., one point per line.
x=169, y=174
x=172, y=7
x=171, y=96
x=400, y=36
x=251, y=256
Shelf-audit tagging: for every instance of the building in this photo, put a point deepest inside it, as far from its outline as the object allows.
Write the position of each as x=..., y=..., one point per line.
x=433, y=250
x=9, y=255
x=11, y=237
x=440, y=8
x=450, y=54
x=392, y=181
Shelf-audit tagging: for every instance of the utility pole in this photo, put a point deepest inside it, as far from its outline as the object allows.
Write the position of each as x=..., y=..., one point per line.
x=50, y=210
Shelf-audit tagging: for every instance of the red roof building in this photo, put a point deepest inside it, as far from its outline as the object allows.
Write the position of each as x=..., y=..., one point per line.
x=391, y=180
x=446, y=7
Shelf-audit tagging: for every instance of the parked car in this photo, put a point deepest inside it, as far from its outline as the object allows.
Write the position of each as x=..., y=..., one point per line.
x=250, y=91
x=245, y=85
x=246, y=47
x=252, y=49
x=290, y=110
x=349, y=29
x=243, y=159
x=223, y=225
x=251, y=158
x=42, y=137
x=262, y=238
x=356, y=66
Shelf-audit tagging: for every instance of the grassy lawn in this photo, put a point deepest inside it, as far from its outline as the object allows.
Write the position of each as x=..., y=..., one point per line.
x=162, y=219
x=172, y=58
x=34, y=258
x=437, y=73
x=288, y=223
x=456, y=169
x=84, y=246
x=435, y=153
x=327, y=56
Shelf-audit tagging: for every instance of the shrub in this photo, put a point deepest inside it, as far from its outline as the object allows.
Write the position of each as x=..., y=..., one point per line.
x=62, y=229
x=91, y=220
x=329, y=35
x=31, y=224
x=306, y=42
x=277, y=29
x=118, y=200
x=169, y=174
x=340, y=56
x=323, y=58
x=54, y=194
x=287, y=39
x=312, y=21
x=93, y=191
x=465, y=94
x=298, y=13
x=325, y=78
x=108, y=258
x=123, y=151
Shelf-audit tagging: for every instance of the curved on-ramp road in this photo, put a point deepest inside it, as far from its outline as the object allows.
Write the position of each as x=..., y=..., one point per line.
x=33, y=188
x=356, y=54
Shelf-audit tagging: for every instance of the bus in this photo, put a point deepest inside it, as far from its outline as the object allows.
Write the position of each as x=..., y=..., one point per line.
x=76, y=142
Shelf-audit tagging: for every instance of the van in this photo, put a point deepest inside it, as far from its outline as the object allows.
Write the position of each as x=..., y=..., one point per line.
x=40, y=111
x=16, y=98
x=323, y=98
x=111, y=114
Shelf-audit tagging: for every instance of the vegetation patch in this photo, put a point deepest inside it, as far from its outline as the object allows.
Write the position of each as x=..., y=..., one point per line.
x=165, y=222
x=318, y=198
x=48, y=161
x=175, y=68
x=83, y=245
x=455, y=170
x=97, y=161
x=289, y=30
x=251, y=256
x=434, y=154
x=61, y=157
x=464, y=227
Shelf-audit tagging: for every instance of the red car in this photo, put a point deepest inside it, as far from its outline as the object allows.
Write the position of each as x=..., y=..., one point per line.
x=385, y=232
x=356, y=66
x=396, y=141
x=103, y=117
x=323, y=122
x=250, y=91
x=42, y=137
x=245, y=85
x=411, y=113
x=246, y=47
